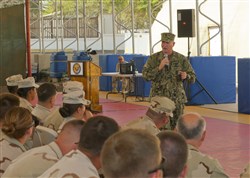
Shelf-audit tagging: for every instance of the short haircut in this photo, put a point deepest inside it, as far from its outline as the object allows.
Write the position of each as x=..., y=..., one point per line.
x=46, y=91
x=17, y=121
x=7, y=101
x=95, y=132
x=120, y=58
x=174, y=148
x=192, y=130
x=130, y=153
x=75, y=124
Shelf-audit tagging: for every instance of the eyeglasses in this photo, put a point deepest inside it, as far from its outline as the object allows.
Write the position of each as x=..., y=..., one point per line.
x=31, y=125
x=163, y=160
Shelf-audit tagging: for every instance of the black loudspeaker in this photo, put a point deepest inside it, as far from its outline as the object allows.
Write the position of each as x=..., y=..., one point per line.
x=186, y=23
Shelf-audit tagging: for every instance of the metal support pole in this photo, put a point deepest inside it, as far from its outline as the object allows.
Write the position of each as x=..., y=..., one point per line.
x=170, y=16
x=40, y=24
x=197, y=28
x=102, y=28
x=149, y=26
x=62, y=34
x=132, y=20
x=27, y=8
x=85, y=26
x=113, y=19
x=221, y=26
x=77, y=26
x=57, y=47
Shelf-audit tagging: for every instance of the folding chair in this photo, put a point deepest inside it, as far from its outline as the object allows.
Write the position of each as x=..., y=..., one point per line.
x=43, y=136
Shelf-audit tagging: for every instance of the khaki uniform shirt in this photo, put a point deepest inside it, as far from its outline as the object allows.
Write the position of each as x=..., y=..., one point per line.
x=246, y=172
x=54, y=120
x=201, y=165
x=41, y=113
x=143, y=123
x=167, y=82
x=73, y=165
x=10, y=149
x=34, y=162
x=117, y=67
x=26, y=104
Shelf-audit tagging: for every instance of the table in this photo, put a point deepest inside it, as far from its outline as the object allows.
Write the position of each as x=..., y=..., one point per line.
x=117, y=74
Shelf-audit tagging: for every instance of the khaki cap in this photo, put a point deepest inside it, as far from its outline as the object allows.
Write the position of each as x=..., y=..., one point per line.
x=167, y=37
x=13, y=80
x=76, y=97
x=162, y=104
x=27, y=82
x=71, y=86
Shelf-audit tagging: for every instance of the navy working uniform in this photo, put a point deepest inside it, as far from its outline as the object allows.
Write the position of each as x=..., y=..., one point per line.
x=167, y=82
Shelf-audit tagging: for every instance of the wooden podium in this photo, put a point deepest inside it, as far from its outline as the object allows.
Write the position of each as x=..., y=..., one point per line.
x=88, y=73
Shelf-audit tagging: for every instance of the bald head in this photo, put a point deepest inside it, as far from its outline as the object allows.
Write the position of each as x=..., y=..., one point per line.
x=191, y=125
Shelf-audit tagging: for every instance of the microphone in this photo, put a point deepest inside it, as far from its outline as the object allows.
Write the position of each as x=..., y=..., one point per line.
x=166, y=57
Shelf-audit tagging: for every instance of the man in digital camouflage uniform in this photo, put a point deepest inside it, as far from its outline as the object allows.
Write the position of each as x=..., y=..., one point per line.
x=166, y=70
x=193, y=127
x=158, y=114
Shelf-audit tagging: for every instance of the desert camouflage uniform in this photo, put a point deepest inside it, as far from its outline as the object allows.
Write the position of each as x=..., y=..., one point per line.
x=54, y=120
x=125, y=80
x=34, y=162
x=246, y=173
x=10, y=148
x=201, y=165
x=167, y=82
x=74, y=165
x=25, y=104
x=41, y=113
x=143, y=123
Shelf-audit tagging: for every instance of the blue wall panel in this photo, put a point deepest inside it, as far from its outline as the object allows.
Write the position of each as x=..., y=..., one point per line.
x=142, y=86
x=244, y=85
x=217, y=75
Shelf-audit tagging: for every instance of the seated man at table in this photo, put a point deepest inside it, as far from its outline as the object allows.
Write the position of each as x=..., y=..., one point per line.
x=124, y=80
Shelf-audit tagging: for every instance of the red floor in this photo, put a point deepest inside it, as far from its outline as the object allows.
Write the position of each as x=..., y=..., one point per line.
x=227, y=141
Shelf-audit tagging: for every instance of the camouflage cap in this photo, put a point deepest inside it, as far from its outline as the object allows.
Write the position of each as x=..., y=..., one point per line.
x=27, y=82
x=167, y=37
x=12, y=80
x=162, y=104
x=71, y=86
x=76, y=97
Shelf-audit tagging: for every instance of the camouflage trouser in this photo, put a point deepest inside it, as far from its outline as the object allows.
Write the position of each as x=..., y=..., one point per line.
x=173, y=120
x=124, y=82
